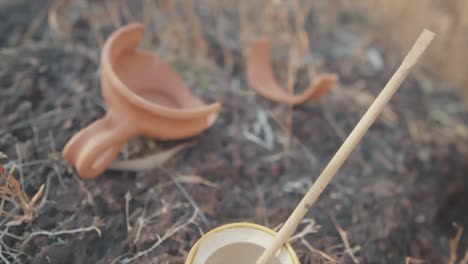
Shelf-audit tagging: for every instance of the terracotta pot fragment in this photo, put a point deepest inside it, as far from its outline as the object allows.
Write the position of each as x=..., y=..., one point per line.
x=262, y=79
x=144, y=96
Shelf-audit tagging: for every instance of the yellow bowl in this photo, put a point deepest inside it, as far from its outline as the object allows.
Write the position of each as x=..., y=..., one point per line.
x=242, y=241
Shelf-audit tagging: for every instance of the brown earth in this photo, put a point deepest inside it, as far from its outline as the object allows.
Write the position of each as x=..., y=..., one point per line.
x=396, y=197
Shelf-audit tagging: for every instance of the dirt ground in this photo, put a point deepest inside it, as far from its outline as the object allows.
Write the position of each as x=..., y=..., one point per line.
x=396, y=197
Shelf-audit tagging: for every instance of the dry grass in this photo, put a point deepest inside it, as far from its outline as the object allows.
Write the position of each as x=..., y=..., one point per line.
x=11, y=193
x=402, y=20
x=17, y=208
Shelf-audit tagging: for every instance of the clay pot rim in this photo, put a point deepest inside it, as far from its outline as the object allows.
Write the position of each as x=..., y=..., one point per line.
x=135, y=99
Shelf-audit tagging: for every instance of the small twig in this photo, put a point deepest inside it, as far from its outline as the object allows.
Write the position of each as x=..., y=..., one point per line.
x=332, y=121
x=9, y=253
x=292, y=70
x=113, y=8
x=190, y=200
x=93, y=227
x=307, y=153
x=2, y=257
x=45, y=194
x=321, y=253
x=194, y=179
x=58, y=19
x=160, y=240
x=5, y=233
x=186, y=195
x=29, y=163
x=12, y=212
x=53, y=149
x=66, y=221
x=54, y=156
x=268, y=17
x=310, y=228
x=128, y=197
x=344, y=238
x=34, y=128
x=81, y=49
x=151, y=219
x=19, y=159
x=220, y=32
x=454, y=243
x=149, y=162
x=94, y=24
x=261, y=208
x=89, y=196
x=146, y=6
x=244, y=21
x=261, y=125
x=141, y=220
x=197, y=39
x=126, y=11
x=139, y=226
x=10, y=250
x=35, y=24
x=36, y=197
x=410, y=260
x=465, y=258
x=58, y=174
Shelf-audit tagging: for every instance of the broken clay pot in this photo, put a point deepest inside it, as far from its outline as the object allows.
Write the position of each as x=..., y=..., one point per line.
x=238, y=243
x=144, y=96
x=262, y=79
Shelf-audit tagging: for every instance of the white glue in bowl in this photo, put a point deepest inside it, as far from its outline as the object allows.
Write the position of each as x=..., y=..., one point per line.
x=238, y=243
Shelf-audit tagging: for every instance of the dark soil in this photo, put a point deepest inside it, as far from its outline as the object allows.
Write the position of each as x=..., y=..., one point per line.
x=396, y=196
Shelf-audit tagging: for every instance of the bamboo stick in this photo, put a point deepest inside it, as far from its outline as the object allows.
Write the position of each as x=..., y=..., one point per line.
x=348, y=146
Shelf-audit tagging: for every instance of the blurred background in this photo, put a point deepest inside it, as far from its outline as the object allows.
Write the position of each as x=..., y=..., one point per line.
x=400, y=198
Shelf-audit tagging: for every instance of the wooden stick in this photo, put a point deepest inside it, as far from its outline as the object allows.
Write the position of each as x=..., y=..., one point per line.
x=348, y=146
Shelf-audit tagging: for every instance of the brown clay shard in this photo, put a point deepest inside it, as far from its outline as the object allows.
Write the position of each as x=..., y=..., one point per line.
x=144, y=96
x=261, y=77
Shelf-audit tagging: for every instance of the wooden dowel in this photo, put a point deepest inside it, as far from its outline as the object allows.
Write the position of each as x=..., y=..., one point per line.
x=348, y=146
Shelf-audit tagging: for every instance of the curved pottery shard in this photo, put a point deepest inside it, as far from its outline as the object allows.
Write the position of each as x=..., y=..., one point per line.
x=144, y=96
x=262, y=79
